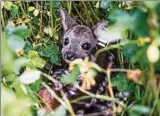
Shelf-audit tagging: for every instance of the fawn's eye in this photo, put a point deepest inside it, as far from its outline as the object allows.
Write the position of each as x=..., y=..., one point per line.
x=66, y=41
x=86, y=46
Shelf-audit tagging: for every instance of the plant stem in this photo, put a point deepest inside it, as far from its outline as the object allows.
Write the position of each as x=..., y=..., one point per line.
x=98, y=19
x=80, y=98
x=51, y=12
x=101, y=97
x=41, y=19
x=49, y=77
x=112, y=47
x=69, y=7
x=106, y=48
x=89, y=21
x=110, y=88
x=2, y=19
x=26, y=17
x=54, y=95
x=81, y=17
x=68, y=103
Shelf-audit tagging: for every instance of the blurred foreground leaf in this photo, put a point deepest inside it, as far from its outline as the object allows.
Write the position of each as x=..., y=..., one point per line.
x=104, y=4
x=60, y=111
x=138, y=110
x=29, y=77
x=13, y=105
x=21, y=31
x=16, y=42
x=72, y=77
x=35, y=59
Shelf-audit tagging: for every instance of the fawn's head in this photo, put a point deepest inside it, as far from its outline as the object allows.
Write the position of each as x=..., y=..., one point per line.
x=78, y=40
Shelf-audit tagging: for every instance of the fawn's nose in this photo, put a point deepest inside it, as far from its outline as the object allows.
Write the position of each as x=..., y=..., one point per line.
x=70, y=56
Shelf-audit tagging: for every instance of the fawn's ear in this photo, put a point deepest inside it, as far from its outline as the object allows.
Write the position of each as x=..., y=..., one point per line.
x=67, y=21
x=100, y=31
x=105, y=34
x=96, y=29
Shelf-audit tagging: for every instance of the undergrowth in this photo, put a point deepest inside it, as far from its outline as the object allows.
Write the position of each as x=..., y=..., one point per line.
x=31, y=48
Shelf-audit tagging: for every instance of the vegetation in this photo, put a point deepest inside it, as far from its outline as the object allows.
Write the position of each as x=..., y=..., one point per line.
x=31, y=45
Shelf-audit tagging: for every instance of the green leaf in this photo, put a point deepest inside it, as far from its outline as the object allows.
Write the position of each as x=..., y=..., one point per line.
x=122, y=83
x=135, y=53
x=49, y=50
x=10, y=99
x=138, y=110
x=104, y=4
x=35, y=87
x=157, y=65
x=10, y=77
x=33, y=54
x=31, y=8
x=48, y=30
x=18, y=63
x=28, y=46
x=16, y=42
x=29, y=77
x=136, y=20
x=38, y=62
x=8, y=5
x=21, y=31
x=140, y=23
x=2, y=5
x=17, y=87
x=6, y=52
x=60, y=111
x=14, y=11
x=121, y=18
x=140, y=55
x=35, y=59
x=151, y=4
x=55, y=4
x=130, y=49
x=54, y=59
x=72, y=77
x=36, y=12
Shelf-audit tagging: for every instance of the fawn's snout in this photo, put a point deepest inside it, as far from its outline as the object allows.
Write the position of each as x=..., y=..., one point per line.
x=70, y=56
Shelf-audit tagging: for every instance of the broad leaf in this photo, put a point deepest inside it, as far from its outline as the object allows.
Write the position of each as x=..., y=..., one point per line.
x=29, y=77
x=14, y=11
x=35, y=59
x=54, y=59
x=138, y=110
x=55, y=4
x=21, y=31
x=122, y=83
x=104, y=4
x=151, y=4
x=8, y=5
x=38, y=62
x=28, y=46
x=72, y=77
x=36, y=12
x=16, y=42
x=122, y=18
x=49, y=50
x=31, y=8
x=60, y=111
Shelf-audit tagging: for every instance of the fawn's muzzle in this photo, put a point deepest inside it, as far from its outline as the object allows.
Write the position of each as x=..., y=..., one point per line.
x=70, y=56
